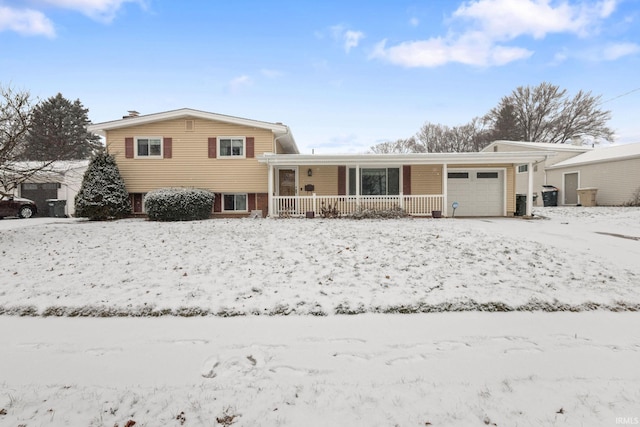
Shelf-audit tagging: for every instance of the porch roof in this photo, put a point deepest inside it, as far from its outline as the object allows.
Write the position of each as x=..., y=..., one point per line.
x=482, y=158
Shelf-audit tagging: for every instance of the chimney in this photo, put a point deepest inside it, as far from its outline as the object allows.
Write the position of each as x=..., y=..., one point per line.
x=132, y=113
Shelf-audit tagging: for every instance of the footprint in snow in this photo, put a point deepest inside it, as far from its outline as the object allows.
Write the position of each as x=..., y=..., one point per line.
x=215, y=366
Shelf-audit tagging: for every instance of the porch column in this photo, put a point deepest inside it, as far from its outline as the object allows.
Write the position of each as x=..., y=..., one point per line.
x=357, y=185
x=445, y=200
x=270, y=189
x=530, y=190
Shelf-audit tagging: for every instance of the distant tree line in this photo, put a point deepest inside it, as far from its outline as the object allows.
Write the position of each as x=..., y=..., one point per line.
x=544, y=113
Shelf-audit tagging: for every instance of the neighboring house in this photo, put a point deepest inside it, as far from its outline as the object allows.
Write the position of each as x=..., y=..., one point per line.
x=561, y=153
x=614, y=172
x=60, y=180
x=254, y=165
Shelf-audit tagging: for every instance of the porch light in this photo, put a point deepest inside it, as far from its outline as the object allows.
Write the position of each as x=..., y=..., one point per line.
x=309, y=172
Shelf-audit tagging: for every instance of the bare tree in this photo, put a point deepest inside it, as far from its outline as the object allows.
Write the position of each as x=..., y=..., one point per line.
x=546, y=113
x=401, y=146
x=437, y=138
x=15, y=121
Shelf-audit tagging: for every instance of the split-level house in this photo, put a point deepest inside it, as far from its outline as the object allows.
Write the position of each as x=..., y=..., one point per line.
x=255, y=166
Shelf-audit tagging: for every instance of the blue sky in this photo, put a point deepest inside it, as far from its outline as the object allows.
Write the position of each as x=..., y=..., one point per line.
x=344, y=75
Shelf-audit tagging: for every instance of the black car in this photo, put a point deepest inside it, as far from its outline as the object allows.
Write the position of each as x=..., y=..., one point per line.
x=16, y=206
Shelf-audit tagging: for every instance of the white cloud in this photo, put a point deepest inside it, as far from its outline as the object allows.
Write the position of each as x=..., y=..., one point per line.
x=492, y=24
x=349, y=38
x=101, y=10
x=414, y=22
x=26, y=22
x=616, y=51
x=239, y=83
x=271, y=74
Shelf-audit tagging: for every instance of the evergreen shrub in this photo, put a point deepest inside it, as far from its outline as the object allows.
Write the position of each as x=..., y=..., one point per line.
x=102, y=194
x=179, y=204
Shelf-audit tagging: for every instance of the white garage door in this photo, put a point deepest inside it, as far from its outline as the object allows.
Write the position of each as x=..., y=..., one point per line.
x=478, y=192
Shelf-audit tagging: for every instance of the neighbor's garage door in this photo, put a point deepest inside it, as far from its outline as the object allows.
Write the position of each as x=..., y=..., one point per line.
x=478, y=192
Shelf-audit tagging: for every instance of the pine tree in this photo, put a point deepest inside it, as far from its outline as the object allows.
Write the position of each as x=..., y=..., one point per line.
x=59, y=131
x=103, y=194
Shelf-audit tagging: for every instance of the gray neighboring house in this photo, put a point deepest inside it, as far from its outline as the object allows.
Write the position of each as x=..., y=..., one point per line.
x=61, y=180
x=557, y=153
x=613, y=172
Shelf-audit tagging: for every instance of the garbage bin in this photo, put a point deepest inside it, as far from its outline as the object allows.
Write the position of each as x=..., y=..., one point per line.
x=521, y=204
x=56, y=208
x=587, y=196
x=549, y=195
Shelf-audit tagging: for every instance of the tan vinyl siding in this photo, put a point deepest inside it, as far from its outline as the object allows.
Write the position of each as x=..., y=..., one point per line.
x=190, y=165
x=615, y=181
x=426, y=179
x=324, y=179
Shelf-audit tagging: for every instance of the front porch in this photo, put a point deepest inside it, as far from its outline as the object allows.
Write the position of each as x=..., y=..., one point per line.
x=415, y=205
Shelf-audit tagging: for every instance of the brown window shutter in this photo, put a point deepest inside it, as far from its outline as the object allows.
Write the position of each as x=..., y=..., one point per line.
x=252, y=201
x=166, y=147
x=128, y=148
x=212, y=147
x=217, y=202
x=250, y=142
x=342, y=180
x=406, y=180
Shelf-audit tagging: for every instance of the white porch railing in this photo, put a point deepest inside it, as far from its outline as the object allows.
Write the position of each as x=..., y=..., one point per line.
x=418, y=205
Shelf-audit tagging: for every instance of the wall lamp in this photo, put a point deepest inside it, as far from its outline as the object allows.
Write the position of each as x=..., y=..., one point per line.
x=309, y=172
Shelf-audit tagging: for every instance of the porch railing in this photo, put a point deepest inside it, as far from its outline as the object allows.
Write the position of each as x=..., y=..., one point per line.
x=418, y=205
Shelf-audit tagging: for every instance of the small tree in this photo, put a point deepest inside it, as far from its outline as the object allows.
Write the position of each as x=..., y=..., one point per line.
x=103, y=194
x=59, y=131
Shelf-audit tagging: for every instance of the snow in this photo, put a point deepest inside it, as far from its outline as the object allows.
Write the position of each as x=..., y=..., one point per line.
x=316, y=367
x=603, y=154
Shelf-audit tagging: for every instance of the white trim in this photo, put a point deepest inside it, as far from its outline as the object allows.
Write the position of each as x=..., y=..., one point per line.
x=149, y=156
x=246, y=201
x=231, y=138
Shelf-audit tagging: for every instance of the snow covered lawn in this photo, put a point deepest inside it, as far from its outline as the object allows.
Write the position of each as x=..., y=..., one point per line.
x=322, y=267
x=380, y=368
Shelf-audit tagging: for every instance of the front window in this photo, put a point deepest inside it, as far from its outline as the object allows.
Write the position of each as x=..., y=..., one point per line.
x=231, y=147
x=235, y=202
x=149, y=147
x=376, y=182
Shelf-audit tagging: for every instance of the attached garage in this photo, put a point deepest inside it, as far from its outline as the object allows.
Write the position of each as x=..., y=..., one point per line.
x=479, y=192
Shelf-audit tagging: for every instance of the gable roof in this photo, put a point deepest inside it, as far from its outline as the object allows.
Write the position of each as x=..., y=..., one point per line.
x=282, y=132
x=611, y=153
x=539, y=146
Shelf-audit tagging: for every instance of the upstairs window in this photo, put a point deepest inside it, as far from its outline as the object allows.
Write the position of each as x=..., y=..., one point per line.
x=231, y=147
x=149, y=147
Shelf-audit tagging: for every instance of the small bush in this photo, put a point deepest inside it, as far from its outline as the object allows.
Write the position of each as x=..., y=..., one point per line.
x=395, y=212
x=179, y=204
x=635, y=198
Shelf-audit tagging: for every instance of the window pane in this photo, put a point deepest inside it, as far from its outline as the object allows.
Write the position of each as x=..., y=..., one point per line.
x=241, y=202
x=229, y=202
x=237, y=147
x=225, y=147
x=487, y=174
x=459, y=175
x=155, y=147
x=374, y=182
x=393, y=181
x=352, y=181
x=143, y=147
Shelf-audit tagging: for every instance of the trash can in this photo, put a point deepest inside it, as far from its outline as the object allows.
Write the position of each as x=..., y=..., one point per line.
x=521, y=204
x=549, y=195
x=587, y=196
x=56, y=208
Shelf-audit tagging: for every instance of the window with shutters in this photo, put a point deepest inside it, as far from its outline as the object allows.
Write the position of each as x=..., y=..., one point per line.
x=376, y=182
x=234, y=202
x=148, y=147
x=231, y=147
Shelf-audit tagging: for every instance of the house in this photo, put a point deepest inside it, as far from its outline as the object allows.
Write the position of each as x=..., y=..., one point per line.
x=60, y=180
x=562, y=152
x=611, y=173
x=253, y=165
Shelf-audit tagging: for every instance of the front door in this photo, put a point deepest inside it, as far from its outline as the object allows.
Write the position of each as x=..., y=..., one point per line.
x=571, y=188
x=286, y=182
